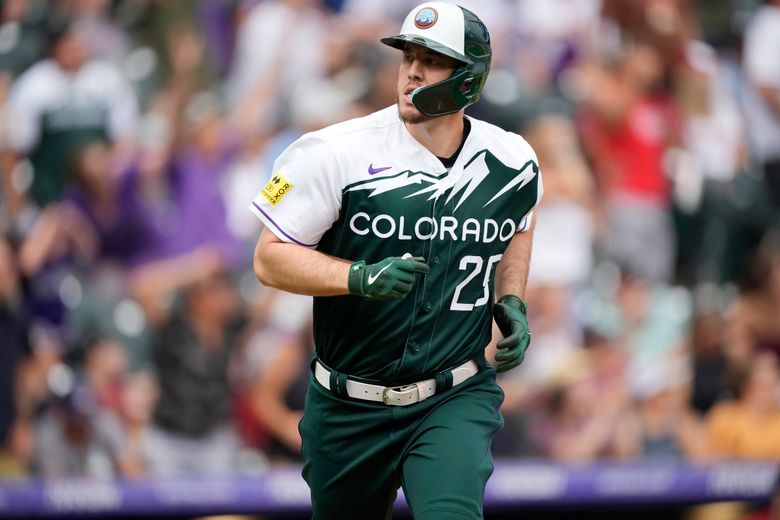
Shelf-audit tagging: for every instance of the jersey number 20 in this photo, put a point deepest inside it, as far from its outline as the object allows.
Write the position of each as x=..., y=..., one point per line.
x=478, y=262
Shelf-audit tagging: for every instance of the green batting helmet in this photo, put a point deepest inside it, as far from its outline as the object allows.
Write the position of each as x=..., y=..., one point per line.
x=455, y=32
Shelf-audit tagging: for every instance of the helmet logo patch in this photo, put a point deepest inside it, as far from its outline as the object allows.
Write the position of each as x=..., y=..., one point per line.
x=425, y=18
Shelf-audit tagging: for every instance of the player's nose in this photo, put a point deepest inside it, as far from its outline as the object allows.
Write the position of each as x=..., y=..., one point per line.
x=415, y=70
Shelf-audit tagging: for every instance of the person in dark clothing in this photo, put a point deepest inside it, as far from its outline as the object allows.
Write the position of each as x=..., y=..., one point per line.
x=193, y=348
x=13, y=349
x=710, y=366
x=114, y=207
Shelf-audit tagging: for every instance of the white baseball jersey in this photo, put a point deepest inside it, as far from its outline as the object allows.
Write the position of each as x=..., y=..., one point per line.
x=366, y=189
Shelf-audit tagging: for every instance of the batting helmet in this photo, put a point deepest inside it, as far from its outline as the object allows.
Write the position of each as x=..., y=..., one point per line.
x=455, y=32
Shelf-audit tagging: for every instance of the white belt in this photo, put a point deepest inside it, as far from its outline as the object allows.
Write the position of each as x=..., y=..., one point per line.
x=397, y=395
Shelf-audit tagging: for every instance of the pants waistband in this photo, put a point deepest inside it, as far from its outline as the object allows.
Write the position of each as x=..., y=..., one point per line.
x=397, y=395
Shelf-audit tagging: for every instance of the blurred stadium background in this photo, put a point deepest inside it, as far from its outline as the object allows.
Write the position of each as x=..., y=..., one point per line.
x=145, y=372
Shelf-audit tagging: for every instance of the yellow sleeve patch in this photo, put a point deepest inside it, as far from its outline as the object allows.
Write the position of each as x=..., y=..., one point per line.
x=276, y=189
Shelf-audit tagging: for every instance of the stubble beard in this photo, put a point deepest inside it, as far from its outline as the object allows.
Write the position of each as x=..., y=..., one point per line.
x=411, y=116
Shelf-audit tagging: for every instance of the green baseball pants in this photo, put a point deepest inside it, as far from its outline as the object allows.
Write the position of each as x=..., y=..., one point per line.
x=357, y=453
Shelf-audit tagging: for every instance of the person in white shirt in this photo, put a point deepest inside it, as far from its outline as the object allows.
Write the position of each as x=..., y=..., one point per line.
x=762, y=68
x=58, y=105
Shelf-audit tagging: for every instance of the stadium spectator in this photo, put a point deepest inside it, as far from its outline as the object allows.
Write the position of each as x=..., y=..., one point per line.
x=708, y=359
x=64, y=444
x=278, y=358
x=22, y=26
x=626, y=125
x=753, y=317
x=648, y=322
x=112, y=422
x=105, y=370
x=551, y=37
x=195, y=341
x=665, y=25
x=114, y=206
x=57, y=104
x=762, y=40
x=582, y=425
x=191, y=158
x=197, y=167
x=126, y=431
x=219, y=20
x=716, y=216
x=287, y=37
x=669, y=428
x=748, y=427
x=651, y=322
x=13, y=353
x=48, y=258
x=105, y=37
x=138, y=405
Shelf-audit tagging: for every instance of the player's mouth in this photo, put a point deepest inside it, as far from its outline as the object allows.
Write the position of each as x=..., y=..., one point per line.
x=407, y=94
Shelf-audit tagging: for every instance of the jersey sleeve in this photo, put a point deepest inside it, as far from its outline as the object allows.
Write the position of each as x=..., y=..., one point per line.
x=302, y=199
x=525, y=222
x=23, y=115
x=762, y=66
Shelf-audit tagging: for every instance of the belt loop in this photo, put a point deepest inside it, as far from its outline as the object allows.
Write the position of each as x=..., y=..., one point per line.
x=338, y=383
x=443, y=381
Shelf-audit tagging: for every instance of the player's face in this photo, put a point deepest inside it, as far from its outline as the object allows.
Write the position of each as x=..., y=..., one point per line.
x=419, y=67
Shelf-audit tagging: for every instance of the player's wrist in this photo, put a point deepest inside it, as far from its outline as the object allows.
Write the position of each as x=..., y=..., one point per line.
x=514, y=302
x=355, y=278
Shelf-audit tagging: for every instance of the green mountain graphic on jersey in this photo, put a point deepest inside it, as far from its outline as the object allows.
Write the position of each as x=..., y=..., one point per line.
x=483, y=174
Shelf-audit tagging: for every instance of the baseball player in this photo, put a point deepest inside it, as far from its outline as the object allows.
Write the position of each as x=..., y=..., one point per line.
x=411, y=227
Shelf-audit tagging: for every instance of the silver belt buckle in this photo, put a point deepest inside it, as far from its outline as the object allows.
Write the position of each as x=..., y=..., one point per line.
x=404, y=395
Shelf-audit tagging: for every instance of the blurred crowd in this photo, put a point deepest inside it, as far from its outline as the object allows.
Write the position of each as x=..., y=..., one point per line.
x=135, y=340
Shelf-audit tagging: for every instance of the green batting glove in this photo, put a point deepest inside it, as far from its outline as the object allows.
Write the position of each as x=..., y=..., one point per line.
x=509, y=313
x=390, y=279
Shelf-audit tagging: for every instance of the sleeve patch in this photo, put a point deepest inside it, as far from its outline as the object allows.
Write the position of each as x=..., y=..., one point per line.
x=276, y=189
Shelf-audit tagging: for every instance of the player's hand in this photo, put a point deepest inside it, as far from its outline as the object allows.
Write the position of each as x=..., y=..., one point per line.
x=509, y=313
x=390, y=279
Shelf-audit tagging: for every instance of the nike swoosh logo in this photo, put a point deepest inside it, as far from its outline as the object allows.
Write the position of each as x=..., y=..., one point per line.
x=374, y=171
x=372, y=278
